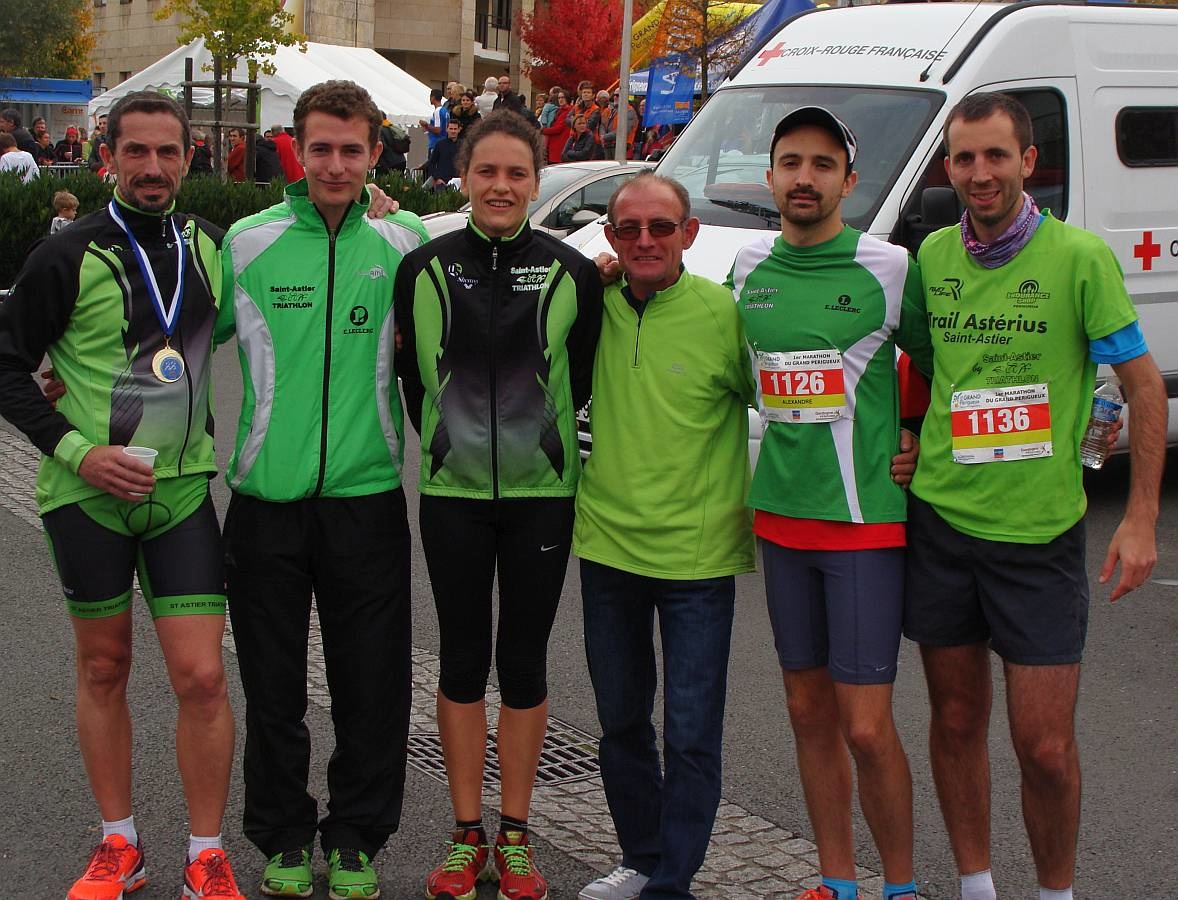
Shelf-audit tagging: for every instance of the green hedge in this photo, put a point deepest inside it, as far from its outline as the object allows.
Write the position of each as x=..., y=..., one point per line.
x=27, y=209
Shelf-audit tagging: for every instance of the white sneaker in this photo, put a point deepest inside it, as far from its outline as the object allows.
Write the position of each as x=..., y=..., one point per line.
x=620, y=884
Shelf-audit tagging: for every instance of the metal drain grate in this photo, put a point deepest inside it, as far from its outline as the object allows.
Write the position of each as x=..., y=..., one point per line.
x=568, y=755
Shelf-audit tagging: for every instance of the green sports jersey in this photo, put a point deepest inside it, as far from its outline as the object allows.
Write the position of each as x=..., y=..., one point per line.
x=496, y=357
x=82, y=298
x=663, y=491
x=1023, y=330
x=835, y=312
x=313, y=314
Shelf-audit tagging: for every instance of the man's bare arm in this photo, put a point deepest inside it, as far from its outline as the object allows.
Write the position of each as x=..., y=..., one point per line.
x=1134, y=543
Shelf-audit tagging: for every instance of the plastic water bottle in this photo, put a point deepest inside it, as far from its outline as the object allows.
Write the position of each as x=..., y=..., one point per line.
x=1106, y=408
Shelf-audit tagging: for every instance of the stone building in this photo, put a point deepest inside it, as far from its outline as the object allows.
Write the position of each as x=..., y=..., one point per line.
x=436, y=41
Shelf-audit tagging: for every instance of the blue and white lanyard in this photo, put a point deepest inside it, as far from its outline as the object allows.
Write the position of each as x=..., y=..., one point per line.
x=171, y=315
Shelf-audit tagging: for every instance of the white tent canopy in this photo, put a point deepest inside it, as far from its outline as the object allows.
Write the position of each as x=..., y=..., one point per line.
x=403, y=98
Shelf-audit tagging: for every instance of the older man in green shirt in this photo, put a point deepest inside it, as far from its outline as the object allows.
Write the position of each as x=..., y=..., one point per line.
x=662, y=526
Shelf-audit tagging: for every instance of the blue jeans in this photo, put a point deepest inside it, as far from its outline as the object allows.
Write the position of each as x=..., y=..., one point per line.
x=664, y=821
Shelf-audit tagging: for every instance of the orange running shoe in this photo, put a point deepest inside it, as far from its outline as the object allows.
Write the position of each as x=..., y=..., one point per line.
x=209, y=877
x=822, y=892
x=518, y=878
x=115, y=868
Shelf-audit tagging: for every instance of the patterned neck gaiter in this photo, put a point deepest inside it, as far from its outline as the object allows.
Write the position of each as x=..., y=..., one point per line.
x=1002, y=249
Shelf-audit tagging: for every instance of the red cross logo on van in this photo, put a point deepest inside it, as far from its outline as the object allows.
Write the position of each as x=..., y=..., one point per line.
x=772, y=53
x=1147, y=251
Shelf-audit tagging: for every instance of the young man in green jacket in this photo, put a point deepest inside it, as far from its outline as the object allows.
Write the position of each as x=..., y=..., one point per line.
x=317, y=500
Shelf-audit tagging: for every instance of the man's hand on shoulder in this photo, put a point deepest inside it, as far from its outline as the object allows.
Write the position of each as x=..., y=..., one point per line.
x=110, y=469
x=608, y=267
x=904, y=462
x=380, y=204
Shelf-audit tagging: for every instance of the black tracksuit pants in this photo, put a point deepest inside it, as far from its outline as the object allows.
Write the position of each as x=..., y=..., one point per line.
x=353, y=553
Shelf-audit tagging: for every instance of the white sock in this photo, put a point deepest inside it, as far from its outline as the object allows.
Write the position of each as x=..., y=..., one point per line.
x=978, y=886
x=198, y=844
x=1048, y=894
x=125, y=827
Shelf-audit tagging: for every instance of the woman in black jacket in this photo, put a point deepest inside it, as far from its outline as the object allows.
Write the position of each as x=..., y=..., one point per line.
x=499, y=327
x=581, y=145
x=465, y=114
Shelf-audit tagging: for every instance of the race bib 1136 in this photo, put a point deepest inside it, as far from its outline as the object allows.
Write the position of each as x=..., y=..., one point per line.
x=1001, y=424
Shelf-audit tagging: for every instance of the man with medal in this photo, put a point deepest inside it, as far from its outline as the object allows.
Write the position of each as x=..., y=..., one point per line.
x=318, y=509
x=996, y=530
x=823, y=308
x=124, y=302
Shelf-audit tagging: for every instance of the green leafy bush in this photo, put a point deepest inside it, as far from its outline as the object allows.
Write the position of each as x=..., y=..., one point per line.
x=421, y=200
x=27, y=209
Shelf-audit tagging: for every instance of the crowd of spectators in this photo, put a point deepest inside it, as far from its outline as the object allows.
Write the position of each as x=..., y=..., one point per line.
x=599, y=110
x=29, y=151
x=37, y=142
x=74, y=148
x=576, y=126
x=274, y=155
x=34, y=148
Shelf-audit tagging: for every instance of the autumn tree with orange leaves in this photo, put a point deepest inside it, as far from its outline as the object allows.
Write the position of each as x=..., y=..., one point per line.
x=704, y=32
x=573, y=41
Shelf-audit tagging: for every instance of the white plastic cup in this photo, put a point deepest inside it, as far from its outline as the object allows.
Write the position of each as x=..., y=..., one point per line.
x=143, y=454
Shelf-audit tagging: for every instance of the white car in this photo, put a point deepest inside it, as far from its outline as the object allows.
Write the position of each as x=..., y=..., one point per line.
x=571, y=196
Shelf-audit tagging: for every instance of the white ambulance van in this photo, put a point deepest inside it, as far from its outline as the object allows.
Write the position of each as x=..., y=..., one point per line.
x=1100, y=83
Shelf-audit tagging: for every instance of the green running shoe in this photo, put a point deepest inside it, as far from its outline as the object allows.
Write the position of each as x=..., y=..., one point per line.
x=288, y=874
x=351, y=876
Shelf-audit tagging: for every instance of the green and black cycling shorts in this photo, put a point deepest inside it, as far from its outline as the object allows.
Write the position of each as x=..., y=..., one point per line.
x=170, y=538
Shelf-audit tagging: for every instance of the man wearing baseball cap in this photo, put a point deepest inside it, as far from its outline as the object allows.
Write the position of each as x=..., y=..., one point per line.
x=823, y=307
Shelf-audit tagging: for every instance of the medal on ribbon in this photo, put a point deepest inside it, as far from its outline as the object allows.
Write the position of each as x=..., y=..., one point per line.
x=167, y=364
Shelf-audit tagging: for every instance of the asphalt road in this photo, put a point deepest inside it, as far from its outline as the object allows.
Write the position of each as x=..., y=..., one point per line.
x=1128, y=841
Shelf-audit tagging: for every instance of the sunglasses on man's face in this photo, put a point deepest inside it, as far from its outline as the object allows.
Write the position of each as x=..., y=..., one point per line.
x=659, y=229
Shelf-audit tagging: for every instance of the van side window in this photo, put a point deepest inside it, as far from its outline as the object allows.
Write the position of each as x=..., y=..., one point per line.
x=1148, y=136
x=1048, y=184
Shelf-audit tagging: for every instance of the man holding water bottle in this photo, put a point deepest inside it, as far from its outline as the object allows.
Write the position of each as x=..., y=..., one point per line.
x=1021, y=308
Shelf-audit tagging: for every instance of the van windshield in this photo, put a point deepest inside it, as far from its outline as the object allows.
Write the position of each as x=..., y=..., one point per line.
x=722, y=156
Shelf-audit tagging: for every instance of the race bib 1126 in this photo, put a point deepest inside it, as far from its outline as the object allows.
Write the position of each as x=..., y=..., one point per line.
x=802, y=385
